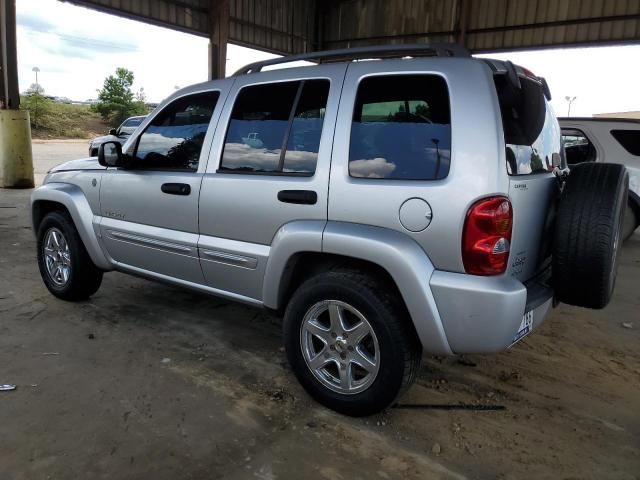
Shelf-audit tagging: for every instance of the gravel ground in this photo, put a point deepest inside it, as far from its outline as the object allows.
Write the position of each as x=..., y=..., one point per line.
x=149, y=381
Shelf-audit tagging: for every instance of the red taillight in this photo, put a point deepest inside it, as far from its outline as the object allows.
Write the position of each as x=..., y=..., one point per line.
x=487, y=236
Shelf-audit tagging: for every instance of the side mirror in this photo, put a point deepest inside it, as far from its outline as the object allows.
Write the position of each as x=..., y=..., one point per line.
x=113, y=131
x=110, y=155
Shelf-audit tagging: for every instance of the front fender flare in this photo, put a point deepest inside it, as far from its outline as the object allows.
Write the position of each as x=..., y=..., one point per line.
x=73, y=199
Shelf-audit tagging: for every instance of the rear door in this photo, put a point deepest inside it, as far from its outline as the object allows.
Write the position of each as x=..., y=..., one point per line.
x=533, y=142
x=269, y=167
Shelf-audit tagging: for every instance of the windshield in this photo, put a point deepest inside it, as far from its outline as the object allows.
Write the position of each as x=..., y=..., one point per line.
x=129, y=125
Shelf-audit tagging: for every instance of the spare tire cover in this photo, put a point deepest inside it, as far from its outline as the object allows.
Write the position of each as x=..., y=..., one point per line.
x=588, y=234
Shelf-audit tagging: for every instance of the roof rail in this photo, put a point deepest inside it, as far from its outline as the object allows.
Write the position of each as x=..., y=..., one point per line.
x=348, y=54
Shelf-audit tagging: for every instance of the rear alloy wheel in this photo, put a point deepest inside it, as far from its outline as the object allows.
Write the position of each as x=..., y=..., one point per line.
x=350, y=342
x=340, y=347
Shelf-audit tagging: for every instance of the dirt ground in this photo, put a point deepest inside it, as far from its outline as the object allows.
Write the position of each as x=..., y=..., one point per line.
x=147, y=381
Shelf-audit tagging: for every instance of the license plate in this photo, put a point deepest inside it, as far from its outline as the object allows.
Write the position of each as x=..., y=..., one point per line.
x=525, y=327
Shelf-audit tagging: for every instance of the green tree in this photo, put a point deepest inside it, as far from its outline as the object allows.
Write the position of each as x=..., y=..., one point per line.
x=116, y=101
x=38, y=105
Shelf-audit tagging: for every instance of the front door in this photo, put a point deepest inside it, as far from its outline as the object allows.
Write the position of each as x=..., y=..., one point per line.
x=150, y=209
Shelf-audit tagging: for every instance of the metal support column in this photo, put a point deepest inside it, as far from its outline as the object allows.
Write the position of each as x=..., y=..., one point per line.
x=16, y=161
x=9, y=93
x=218, y=37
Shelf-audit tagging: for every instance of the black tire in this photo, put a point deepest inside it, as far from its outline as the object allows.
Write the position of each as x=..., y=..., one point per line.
x=84, y=277
x=399, y=349
x=630, y=222
x=588, y=234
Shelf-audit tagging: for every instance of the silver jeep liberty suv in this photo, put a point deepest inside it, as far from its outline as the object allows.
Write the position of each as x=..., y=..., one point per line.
x=391, y=202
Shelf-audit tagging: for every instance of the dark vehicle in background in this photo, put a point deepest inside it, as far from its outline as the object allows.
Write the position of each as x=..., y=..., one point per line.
x=119, y=134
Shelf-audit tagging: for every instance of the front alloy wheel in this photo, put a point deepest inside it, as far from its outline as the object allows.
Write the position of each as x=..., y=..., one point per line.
x=57, y=257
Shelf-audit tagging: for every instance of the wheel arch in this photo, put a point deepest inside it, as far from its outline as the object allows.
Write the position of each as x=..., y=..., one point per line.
x=70, y=199
x=388, y=254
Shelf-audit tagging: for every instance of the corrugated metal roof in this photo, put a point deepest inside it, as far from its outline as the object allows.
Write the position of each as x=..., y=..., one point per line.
x=484, y=25
x=295, y=26
x=281, y=26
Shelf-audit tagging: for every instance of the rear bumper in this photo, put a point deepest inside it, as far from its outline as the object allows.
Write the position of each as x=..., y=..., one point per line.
x=483, y=314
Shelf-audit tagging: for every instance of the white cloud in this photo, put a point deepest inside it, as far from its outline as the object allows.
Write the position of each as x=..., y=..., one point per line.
x=76, y=48
x=371, y=168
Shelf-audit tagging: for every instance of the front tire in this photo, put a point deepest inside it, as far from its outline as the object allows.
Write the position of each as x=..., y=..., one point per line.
x=65, y=266
x=349, y=342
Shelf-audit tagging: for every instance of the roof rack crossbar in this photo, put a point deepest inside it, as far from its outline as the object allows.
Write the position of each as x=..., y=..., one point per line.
x=347, y=54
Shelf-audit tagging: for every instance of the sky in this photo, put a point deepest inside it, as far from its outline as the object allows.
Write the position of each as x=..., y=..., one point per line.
x=76, y=48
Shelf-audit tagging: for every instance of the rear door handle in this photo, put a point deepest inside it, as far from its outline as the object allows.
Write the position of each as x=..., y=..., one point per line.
x=176, y=188
x=302, y=197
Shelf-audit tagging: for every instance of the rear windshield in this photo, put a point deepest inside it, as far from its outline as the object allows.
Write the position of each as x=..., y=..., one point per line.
x=629, y=139
x=531, y=131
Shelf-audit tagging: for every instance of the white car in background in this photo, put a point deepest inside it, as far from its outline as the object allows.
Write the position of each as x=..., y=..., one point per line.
x=120, y=134
x=611, y=140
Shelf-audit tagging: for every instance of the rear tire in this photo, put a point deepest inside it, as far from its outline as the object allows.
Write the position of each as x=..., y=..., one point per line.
x=65, y=266
x=392, y=344
x=588, y=234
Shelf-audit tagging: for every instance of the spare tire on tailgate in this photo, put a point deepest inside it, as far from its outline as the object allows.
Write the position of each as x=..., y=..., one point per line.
x=588, y=234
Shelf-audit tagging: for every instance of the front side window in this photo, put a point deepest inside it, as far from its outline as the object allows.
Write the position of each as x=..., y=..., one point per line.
x=173, y=139
x=276, y=128
x=401, y=128
x=629, y=139
x=577, y=147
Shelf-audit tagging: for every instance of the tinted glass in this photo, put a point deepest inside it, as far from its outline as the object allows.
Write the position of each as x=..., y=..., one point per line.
x=629, y=139
x=306, y=128
x=276, y=128
x=531, y=130
x=577, y=147
x=173, y=139
x=401, y=128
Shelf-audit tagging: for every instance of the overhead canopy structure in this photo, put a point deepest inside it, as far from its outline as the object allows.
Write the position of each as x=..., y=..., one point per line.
x=297, y=26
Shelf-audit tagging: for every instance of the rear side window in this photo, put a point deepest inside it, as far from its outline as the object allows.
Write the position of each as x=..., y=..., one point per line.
x=531, y=131
x=401, y=128
x=276, y=128
x=629, y=139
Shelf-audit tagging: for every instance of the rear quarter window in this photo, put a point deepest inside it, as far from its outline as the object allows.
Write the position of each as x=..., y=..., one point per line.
x=401, y=128
x=629, y=139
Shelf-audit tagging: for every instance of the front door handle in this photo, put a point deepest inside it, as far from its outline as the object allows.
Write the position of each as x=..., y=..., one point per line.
x=176, y=188
x=302, y=197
